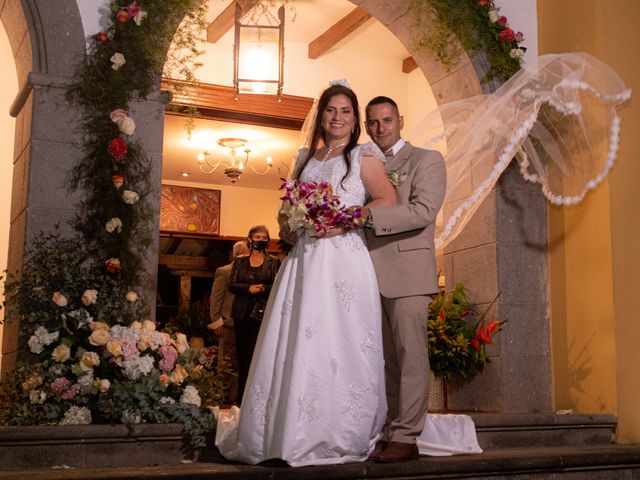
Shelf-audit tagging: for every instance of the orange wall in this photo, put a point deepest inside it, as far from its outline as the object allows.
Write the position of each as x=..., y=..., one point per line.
x=9, y=89
x=595, y=246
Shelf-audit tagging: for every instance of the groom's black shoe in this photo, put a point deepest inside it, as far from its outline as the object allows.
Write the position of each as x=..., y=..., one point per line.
x=377, y=450
x=398, y=452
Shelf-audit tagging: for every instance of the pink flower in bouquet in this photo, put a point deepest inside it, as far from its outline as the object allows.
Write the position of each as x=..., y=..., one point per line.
x=314, y=207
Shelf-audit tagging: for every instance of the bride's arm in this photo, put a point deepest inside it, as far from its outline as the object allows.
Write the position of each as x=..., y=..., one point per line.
x=375, y=180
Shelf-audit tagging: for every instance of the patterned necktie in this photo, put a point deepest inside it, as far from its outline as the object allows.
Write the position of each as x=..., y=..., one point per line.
x=389, y=153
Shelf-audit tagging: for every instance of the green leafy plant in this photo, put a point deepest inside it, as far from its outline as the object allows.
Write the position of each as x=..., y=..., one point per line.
x=477, y=26
x=456, y=338
x=193, y=321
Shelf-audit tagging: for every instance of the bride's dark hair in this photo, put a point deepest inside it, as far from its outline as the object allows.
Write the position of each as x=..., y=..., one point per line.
x=319, y=133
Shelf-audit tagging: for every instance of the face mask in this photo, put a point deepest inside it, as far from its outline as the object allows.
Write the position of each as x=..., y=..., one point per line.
x=259, y=245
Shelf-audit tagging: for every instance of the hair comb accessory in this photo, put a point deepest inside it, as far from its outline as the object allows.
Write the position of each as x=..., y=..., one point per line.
x=340, y=81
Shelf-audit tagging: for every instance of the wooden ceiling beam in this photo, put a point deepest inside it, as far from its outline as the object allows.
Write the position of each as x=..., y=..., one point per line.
x=340, y=30
x=225, y=21
x=409, y=65
x=218, y=102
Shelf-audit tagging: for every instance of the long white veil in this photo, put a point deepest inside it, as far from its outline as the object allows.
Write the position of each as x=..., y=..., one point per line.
x=557, y=117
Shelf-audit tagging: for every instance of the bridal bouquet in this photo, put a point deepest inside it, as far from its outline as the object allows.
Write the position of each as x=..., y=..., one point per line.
x=313, y=206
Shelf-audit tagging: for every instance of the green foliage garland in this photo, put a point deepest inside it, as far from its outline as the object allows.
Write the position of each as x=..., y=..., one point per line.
x=102, y=89
x=477, y=27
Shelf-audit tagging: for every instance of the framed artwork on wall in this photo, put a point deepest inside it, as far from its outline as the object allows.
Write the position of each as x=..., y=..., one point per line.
x=190, y=210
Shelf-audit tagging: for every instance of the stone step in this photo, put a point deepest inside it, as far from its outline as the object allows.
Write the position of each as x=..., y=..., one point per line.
x=592, y=462
x=144, y=445
x=504, y=430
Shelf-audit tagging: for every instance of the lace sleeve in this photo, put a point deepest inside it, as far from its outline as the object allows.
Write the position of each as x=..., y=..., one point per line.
x=298, y=160
x=371, y=148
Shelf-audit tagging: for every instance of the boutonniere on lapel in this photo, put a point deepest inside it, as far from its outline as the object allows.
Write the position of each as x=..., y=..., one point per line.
x=396, y=178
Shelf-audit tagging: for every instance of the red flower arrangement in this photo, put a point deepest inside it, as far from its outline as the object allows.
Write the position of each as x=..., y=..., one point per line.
x=456, y=341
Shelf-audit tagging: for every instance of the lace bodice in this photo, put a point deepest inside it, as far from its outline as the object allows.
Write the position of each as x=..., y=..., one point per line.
x=351, y=191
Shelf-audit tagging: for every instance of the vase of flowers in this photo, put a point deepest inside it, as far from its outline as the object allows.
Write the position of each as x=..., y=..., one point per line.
x=457, y=337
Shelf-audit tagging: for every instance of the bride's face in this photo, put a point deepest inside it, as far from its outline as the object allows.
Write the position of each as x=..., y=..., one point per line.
x=338, y=119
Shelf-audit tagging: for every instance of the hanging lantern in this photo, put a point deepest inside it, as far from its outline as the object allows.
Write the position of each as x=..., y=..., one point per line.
x=258, y=53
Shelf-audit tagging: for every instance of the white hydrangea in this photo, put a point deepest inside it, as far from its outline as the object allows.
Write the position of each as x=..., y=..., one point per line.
x=125, y=334
x=40, y=338
x=191, y=395
x=86, y=382
x=76, y=416
x=37, y=396
x=134, y=368
x=131, y=416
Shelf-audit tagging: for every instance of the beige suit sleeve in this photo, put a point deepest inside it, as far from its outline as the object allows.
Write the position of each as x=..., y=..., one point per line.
x=218, y=291
x=428, y=186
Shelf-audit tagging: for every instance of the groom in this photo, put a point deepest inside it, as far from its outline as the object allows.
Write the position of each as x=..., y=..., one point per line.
x=401, y=242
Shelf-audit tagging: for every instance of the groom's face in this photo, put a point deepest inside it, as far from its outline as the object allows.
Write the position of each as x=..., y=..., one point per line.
x=383, y=125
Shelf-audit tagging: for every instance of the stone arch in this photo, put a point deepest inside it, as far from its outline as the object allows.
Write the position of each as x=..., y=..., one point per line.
x=490, y=257
x=46, y=44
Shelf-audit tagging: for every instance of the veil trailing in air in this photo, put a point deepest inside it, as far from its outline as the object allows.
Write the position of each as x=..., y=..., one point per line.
x=557, y=117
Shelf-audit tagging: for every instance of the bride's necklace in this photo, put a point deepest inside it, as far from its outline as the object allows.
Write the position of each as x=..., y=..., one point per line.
x=331, y=149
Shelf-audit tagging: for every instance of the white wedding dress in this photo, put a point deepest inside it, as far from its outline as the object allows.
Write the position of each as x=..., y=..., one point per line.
x=315, y=393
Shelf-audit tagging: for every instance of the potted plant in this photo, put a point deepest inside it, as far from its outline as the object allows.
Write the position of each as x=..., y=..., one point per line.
x=457, y=337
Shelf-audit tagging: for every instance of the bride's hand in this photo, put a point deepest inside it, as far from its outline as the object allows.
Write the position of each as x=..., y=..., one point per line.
x=287, y=235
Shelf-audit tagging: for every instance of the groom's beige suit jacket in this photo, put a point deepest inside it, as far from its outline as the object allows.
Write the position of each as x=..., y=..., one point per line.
x=402, y=241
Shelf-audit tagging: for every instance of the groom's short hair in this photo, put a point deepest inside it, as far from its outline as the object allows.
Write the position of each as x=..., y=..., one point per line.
x=379, y=100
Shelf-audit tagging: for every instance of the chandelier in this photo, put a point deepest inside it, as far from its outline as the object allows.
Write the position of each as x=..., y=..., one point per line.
x=233, y=167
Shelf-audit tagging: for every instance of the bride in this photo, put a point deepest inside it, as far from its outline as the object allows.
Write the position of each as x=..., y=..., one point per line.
x=315, y=393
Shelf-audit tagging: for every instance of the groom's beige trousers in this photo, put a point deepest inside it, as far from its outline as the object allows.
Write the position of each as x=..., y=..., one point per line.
x=406, y=356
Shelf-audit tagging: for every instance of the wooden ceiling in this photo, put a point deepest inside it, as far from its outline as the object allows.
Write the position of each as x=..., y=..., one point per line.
x=317, y=47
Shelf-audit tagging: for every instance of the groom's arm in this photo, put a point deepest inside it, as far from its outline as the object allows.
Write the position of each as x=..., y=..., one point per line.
x=428, y=186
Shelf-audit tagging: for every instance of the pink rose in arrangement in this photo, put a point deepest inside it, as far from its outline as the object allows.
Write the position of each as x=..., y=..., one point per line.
x=117, y=148
x=502, y=21
x=484, y=2
x=118, y=114
x=134, y=9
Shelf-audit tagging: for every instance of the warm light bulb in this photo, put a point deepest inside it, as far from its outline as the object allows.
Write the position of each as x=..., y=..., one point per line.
x=185, y=174
x=259, y=87
x=269, y=160
x=201, y=157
